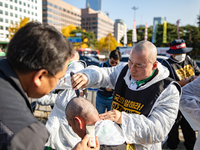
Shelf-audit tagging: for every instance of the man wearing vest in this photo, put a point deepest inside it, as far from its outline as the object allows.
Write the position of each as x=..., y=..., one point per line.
x=145, y=102
x=182, y=69
x=105, y=95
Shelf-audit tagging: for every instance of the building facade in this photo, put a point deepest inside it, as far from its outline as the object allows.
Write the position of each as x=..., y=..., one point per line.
x=12, y=10
x=119, y=29
x=98, y=23
x=94, y=4
x=59, y=13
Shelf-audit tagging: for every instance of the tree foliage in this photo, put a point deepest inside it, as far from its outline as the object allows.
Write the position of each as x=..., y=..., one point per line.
x=108, y=43
x=66, y=30
x=13, y=28
x=88, y=39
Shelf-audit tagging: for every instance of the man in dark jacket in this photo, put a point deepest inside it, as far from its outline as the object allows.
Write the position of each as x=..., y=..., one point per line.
x=183, y=69
x=37, y=57
x=105, y=95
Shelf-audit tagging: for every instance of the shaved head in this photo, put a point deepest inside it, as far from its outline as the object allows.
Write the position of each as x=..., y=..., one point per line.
x=81, y=107
x=146, y=47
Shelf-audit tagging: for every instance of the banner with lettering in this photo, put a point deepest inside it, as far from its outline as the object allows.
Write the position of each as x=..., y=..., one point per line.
x=146, y=32
x=134, y=35
x=165, y=32
x=125, y=35
x=154, y=31
x=178, y=28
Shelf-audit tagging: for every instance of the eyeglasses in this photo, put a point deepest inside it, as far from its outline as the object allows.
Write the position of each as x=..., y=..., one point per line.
x=137, y=65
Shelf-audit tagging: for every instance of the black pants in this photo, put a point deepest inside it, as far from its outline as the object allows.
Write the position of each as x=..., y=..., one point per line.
x=188, y=134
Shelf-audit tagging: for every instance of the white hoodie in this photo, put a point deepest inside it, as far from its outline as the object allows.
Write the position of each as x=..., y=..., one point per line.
x=146, y=133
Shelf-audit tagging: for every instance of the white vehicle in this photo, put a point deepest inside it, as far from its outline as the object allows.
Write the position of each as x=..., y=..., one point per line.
x=159, y=58
x=126, y=50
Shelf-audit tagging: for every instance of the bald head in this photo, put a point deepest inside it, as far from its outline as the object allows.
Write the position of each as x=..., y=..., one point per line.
x=75, y=55
x=83, y=108
x=146, y=47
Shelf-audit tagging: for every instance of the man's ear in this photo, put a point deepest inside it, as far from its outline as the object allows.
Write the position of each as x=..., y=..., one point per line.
x=155, y=65
x=39, y=76
x=80, y=122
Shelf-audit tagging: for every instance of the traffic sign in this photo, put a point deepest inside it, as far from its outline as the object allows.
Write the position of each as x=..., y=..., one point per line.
x=74, y=39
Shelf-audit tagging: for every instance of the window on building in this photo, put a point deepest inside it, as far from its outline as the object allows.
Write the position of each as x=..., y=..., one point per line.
x=16, y=15
x=35, y=7
x=20, y=16
x=1, y=19
x=35, y=1
x=1, y=11
x=11, y=0
x=6, y=20
x=32, y=7
x=20, y=9
x=15, y=1
x=16, y=22
x=32, y=0
x=7, y=28
x=11, y=21
x=6, y=13
x=11, y=7
x=1, y=4
x=32, y=13
x=35, y=14
x=28, y=12
x=88, y=19
x=60, y=8
x=6, y=5
x=24, y=10
x=55, y=6
x=24, y=4
x=11, y=14
x=83, y=19
x=1, y=27
x=28, y=5
x=20, y=2
x=7, y=35
x=15, y=8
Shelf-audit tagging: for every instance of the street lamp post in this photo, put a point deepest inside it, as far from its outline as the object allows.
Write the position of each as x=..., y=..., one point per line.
x=134, y=27
x=134, y=8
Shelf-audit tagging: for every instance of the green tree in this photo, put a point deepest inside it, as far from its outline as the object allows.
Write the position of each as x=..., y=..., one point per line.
x=87, y=38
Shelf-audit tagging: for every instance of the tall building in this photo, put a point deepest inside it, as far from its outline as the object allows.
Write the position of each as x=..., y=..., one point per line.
x=12, y=10
x=159, y=19
x=59, y=13
x=96, y=22
x=94, y=4
x=119, y=29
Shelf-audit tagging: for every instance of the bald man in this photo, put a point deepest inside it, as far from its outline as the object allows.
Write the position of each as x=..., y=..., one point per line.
x=145, y=101
x=80, y=112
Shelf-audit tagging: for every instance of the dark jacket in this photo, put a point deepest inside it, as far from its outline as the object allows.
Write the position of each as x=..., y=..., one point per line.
x=19, y=129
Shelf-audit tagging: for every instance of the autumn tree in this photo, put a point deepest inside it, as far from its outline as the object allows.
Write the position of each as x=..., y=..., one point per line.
x=107, y=43
x=13, y=28
x=66, y=30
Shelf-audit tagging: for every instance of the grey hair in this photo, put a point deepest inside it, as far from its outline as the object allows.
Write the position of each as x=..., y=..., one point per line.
x=79, y=106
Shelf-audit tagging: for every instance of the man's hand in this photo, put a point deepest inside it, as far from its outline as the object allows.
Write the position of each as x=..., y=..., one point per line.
x=109, y=89
x=83, y=145
x=79, y=80
x=113, y=115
